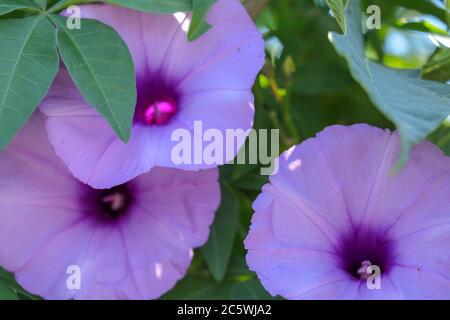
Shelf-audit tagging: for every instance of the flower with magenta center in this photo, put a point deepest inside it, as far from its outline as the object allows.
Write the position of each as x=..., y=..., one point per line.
x=133, y=241
x=334, y=214
x=178, y=83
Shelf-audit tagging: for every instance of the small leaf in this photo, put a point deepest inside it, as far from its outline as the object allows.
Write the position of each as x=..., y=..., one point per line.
x=250, y=290
x=7, y=280
x=101, y=66
x=6, y=293
x=7, y=6
x=217, y=251
x=417, y=107
x=421, y=26
x=156, y=6
x=438, y=67
x=337, y=7
x=28, y=65
x=198, y=287
x=198, y=25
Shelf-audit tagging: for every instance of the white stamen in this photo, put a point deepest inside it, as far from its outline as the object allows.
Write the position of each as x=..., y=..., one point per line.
x=363, y=270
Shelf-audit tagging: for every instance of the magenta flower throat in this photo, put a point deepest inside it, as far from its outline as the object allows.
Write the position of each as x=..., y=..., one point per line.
x=178, y=83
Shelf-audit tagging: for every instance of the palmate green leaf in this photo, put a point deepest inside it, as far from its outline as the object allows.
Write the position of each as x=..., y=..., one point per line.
x=198, y=25
x=438, y=67
x=417, y=107
x=100, y=63
x=217, y=251
x=28, y=65
x=7, y=6
x=156, y=6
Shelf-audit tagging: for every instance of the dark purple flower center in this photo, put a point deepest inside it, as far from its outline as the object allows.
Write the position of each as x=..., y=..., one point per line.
x=111, y=204
x=157, y=102
x=364, y=248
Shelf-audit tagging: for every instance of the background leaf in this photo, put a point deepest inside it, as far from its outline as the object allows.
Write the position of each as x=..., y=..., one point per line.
x=7, y=6
x=217, y=250
x=198, y=25
x=28, y=65
x=438, y=67
x=101, y=66
x=417, y=107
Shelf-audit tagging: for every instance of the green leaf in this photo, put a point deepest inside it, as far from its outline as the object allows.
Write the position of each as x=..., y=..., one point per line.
x=198, y=25
x=422, y=6
x=6, y=293
x=441, y=138
x=28, y=65
x=8, y=281
x=7, y=6
x=416, y=106
x=217, y=251
x=438, y=66
x=337, y=7
x=250, y=290
x=101, y=66
x=156, y=6
x=41, y=3
x=198, y=287
x=421, y=26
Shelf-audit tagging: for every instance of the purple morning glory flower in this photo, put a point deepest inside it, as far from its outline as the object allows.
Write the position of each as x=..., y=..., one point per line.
x=65, y=240
x=334, y=212
x=178, y=83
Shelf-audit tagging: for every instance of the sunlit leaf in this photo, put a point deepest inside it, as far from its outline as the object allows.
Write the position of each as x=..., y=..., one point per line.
x=417, y=107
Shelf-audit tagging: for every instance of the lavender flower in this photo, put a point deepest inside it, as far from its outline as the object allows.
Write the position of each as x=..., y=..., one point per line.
x=133, y=241
x=178, y=83
x=334, y=213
